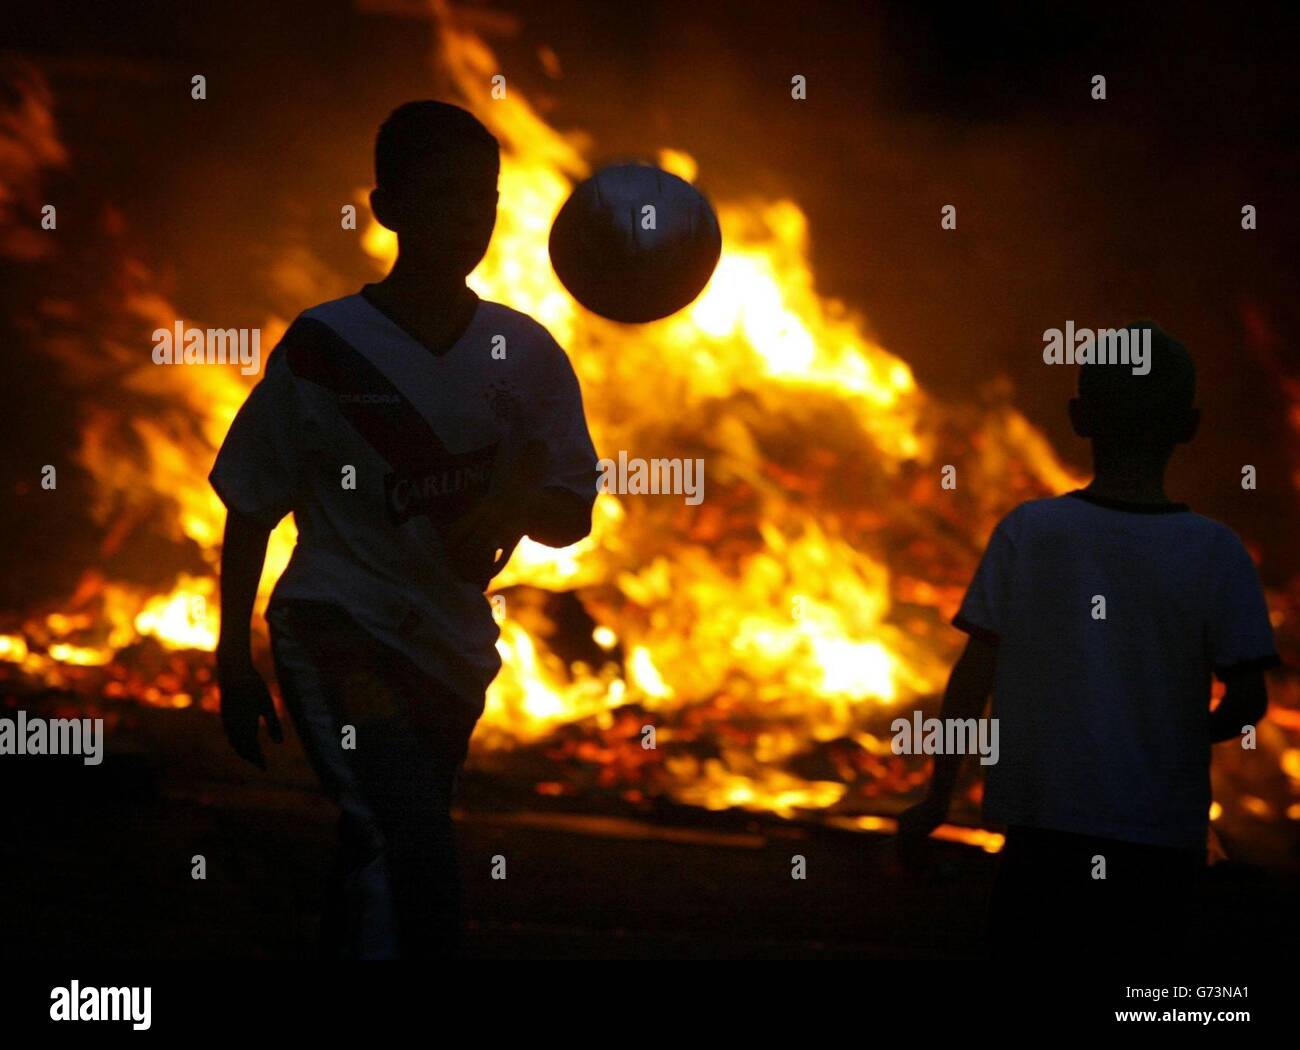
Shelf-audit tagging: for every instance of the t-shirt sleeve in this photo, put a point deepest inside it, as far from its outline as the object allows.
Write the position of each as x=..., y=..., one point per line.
x=1239, y=632
x=255, y=473
x=983, y=611
x=562, y=426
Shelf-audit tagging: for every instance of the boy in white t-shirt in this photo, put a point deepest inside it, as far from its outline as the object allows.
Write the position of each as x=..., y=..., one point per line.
x=416, y=433
x=1096, y=620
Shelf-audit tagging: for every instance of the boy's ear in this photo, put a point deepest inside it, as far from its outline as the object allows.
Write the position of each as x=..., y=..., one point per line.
x=1079, y=418
x=381, y=206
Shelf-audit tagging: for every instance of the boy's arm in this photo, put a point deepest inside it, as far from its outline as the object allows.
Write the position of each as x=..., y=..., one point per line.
x=968, y=691
x=256, y=475
x=549, y=514
x=1244, y=704
x=1241, y=639
x=244, y=696
x=532, y=491
x=243, y=552
x=521, y=506
x=559, y=464
x=557, y=517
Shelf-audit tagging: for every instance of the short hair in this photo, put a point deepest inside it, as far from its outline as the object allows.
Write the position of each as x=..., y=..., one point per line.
x=1121, y=403
x=428, y=133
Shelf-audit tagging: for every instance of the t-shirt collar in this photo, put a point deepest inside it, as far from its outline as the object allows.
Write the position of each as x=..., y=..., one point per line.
x=1134, y=507
x=447, y=350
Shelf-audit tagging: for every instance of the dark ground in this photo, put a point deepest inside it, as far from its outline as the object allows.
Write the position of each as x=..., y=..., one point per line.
x=96, y=861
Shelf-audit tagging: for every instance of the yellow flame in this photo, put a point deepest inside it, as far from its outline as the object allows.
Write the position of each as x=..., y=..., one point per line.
x=185, y=619
x=764, y=594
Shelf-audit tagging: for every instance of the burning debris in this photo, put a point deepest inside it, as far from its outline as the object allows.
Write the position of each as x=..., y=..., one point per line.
x=769, y=634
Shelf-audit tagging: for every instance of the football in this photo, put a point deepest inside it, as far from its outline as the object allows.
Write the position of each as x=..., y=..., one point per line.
x=634, y=243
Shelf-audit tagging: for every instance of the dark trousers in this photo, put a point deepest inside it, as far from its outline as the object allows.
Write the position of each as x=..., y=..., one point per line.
x=1047, y=903
x=387, y=743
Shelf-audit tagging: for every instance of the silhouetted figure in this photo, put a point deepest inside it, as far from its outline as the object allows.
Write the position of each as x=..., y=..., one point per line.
x=416, y=433
x=1096, y=620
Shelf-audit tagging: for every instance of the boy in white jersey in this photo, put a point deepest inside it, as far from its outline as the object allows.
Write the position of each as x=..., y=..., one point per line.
x=1096, y=620
x=416, y=433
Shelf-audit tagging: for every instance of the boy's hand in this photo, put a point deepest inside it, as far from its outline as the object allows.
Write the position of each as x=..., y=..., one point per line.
x=918, y=821
x=969, y=686
x=245, y=700
x=473, y=540
x=498, y=521
x=914, y=827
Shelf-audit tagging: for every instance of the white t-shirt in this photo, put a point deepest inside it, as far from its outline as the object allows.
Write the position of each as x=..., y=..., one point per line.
x=1103, y=723
x=347, y=387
